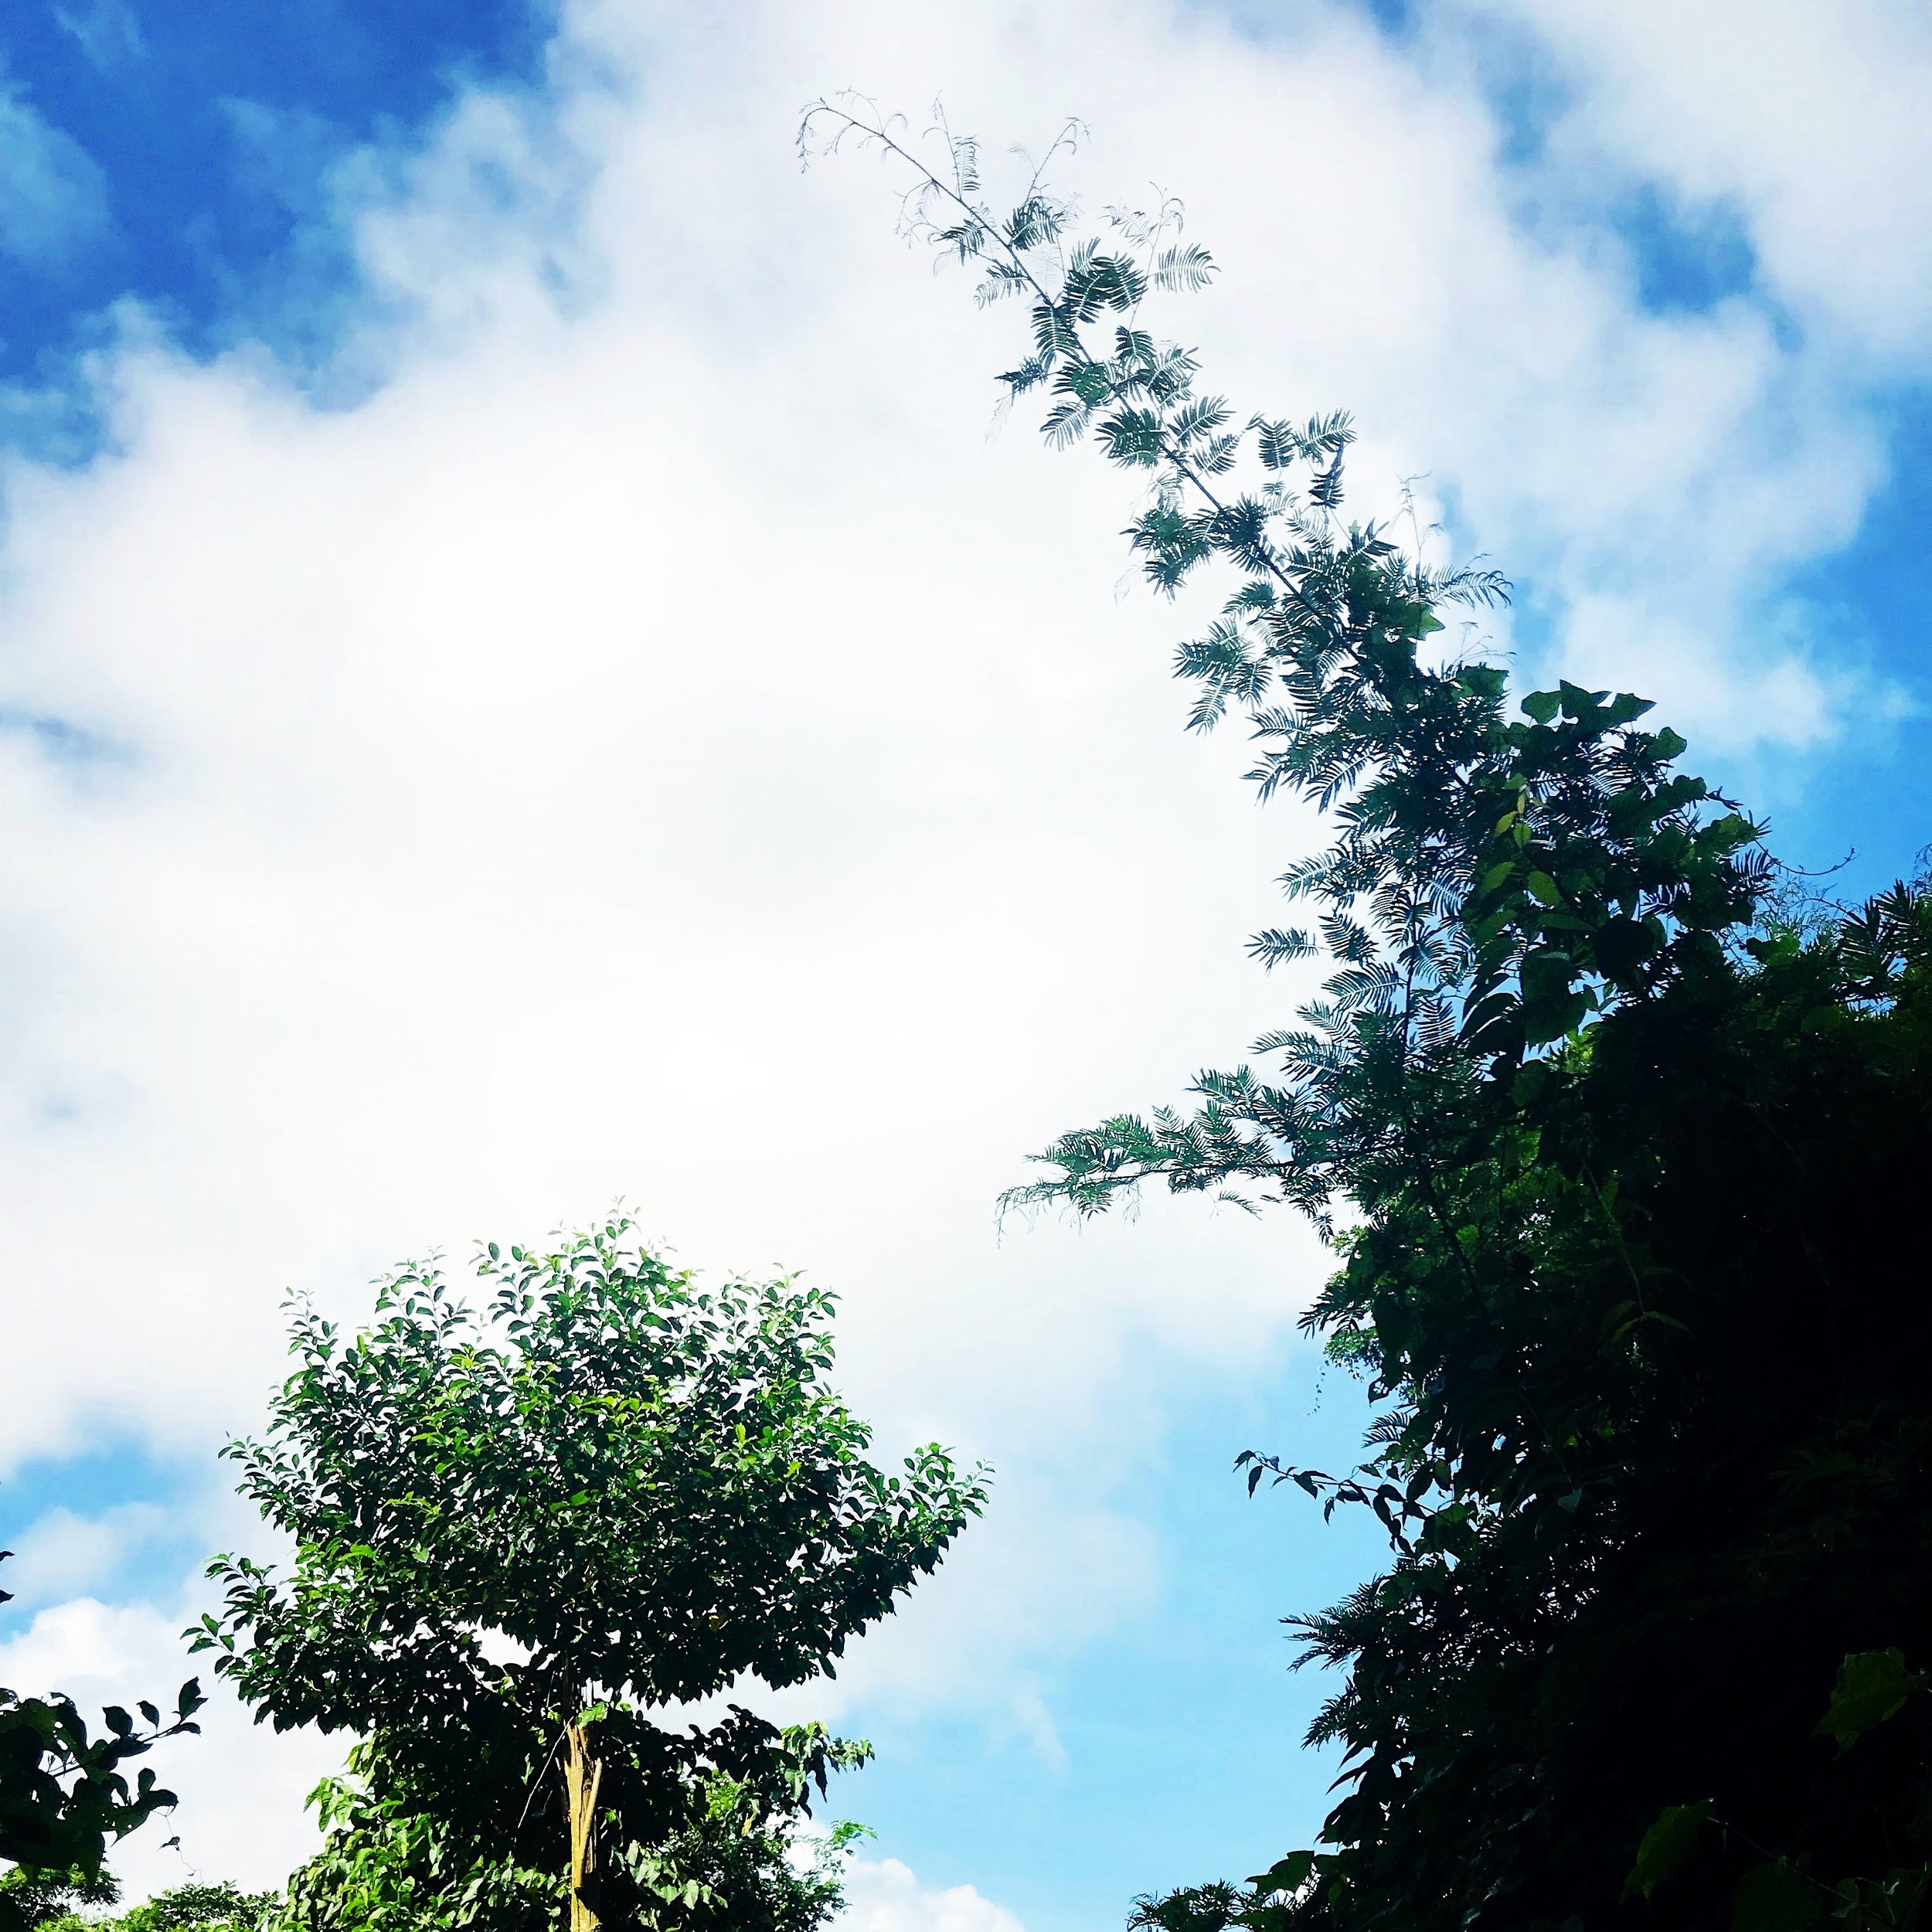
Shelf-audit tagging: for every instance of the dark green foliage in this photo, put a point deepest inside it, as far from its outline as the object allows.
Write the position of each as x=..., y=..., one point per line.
x=63, y=1795
x=607, y=1490
x=43, y=1898
x=728, y=1860
x=1620, y=1163
x=63, y=1903
x=1872, y=1687
x=1781, y=1894
x=1667, y=1847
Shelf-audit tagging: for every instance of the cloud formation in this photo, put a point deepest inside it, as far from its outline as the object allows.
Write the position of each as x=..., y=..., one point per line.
x=52, y=195
x=881, y=1895
x=1808, y=127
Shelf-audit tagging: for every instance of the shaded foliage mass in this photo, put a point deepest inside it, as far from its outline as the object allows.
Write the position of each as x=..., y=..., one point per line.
x=1615, y=1132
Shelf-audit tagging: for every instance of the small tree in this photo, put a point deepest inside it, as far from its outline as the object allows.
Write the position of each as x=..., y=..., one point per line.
x=522, y=1530
x=1622, y=1152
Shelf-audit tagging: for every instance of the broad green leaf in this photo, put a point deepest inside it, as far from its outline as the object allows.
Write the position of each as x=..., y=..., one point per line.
x=1776, y=1896
x=1287, y=1874
x=1667, y=1847
x=1872, y=1685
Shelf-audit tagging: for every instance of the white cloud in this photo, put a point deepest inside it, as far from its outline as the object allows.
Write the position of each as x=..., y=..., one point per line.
x=1809, y=123
x=60, y=1554
x=52, y=198
x=881, y=1895
x=241, y=1788
x=656, y=744
x=108, y=31
x=1021, y=1593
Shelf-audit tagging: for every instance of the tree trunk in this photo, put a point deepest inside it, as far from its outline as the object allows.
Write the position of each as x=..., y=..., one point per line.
x=582, y=1774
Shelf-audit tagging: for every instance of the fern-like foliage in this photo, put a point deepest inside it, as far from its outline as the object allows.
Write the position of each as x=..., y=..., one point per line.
x=1615, y=1144
x=1495, y=882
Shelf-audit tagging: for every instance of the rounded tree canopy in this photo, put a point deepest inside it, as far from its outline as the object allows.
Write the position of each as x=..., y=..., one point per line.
x=636, y=1488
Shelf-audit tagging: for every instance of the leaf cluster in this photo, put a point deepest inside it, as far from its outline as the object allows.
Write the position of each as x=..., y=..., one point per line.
x=64, y=1793
x=1616, y=1157
x=1782, y=1893
x=44, y=1898
x=730, y=1857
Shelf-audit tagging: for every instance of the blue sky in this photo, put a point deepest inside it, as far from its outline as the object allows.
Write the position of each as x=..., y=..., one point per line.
x=193, y=157
x=181, y=153
x=464, y=486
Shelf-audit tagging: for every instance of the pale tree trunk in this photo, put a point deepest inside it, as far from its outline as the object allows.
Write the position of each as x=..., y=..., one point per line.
x=582, y=1774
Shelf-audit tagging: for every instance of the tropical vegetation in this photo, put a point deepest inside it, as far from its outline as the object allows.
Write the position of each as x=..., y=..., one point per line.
x=1613, y=1123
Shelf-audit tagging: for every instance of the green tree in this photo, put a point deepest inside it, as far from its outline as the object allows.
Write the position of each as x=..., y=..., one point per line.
x=64, y=1796
x=1616, y=1151
x=223, y=1906
x=65, y=1902
x=36, y=1899
x=521, y=1529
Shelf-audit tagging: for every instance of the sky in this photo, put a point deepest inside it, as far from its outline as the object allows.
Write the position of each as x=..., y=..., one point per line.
x=530, y=676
